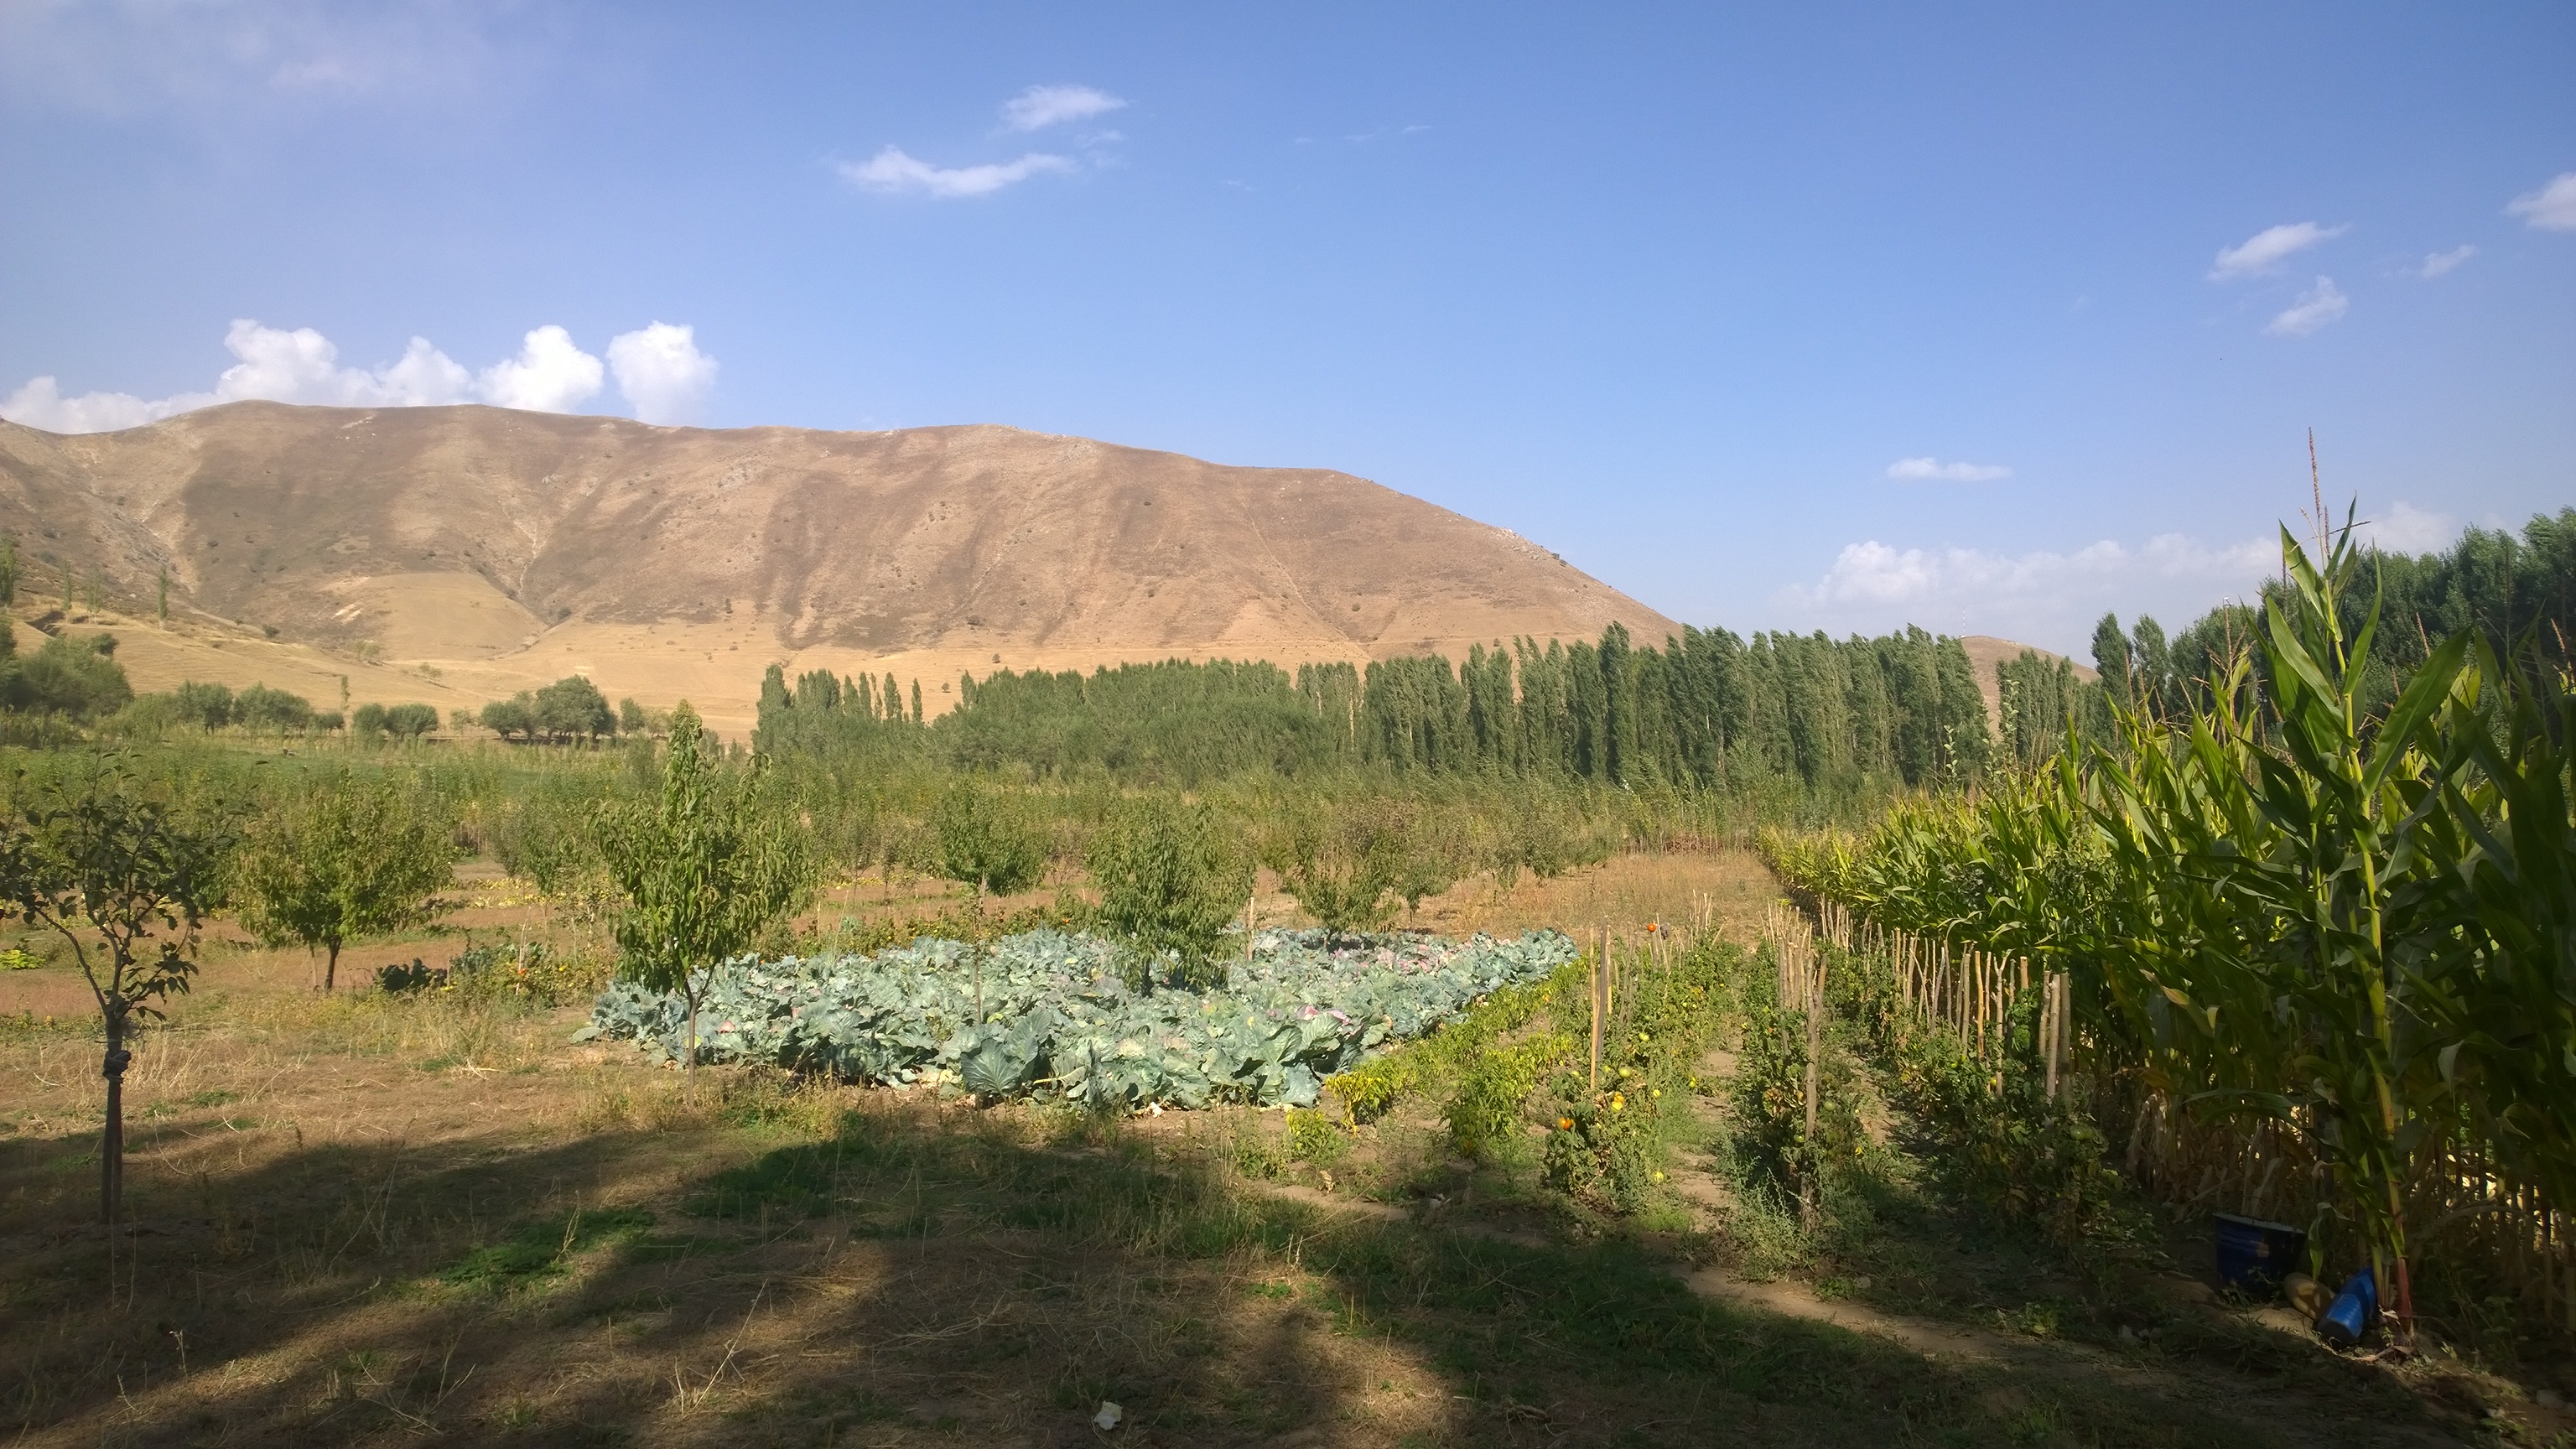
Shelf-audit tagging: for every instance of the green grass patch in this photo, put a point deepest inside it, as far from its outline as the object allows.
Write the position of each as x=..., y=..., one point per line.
x=788, y=1183
x=543, y=1250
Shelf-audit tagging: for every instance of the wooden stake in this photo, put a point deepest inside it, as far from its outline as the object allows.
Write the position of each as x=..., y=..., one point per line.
x=2048, y=1029
x=1814, y=982
x=1600, y=963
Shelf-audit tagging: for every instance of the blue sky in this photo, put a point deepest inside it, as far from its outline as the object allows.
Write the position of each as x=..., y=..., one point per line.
x=1988, y=318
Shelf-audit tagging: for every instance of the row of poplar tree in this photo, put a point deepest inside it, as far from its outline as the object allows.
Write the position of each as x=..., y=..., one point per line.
x=1708, y=710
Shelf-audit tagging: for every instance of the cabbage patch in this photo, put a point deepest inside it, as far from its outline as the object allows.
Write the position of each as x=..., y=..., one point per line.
x=1058, y=1020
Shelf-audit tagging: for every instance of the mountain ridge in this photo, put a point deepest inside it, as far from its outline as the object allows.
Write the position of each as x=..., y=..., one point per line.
x=496, y=548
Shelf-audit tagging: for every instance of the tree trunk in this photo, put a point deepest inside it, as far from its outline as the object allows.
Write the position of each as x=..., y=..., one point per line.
x=111, y=1154
x=693, y=1048
x=331, y=966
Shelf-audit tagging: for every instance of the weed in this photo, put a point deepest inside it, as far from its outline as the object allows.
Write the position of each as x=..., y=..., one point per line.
x=1312, y=1138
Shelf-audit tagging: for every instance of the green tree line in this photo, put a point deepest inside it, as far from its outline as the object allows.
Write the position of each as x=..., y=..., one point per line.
x=1709, y=711
x=2514, y=592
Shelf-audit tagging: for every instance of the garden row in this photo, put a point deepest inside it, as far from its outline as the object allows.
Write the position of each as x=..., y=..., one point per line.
x=1075, y=1017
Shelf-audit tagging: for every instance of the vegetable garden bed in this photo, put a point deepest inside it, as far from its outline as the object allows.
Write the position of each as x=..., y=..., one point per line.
x=1048, y=1014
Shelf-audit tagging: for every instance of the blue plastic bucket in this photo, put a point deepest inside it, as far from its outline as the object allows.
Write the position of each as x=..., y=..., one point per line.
x=2355, y=1311
x=2254, y=1255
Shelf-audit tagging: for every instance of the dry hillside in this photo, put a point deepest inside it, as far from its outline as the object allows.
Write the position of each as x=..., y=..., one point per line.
x=502, y=549
x=1986, y=654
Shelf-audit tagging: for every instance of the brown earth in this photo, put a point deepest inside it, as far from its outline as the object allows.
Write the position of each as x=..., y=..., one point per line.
x=504, y=549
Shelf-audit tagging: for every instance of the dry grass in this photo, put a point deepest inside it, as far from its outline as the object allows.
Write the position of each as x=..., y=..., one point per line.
x=1722, y=891
x=365, y=1219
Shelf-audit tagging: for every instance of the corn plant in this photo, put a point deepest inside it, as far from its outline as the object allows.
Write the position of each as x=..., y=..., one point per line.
x=2287, y=906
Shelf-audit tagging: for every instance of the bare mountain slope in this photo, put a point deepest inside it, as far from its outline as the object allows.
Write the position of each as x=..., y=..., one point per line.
x=1988, y=654
x=505, y=547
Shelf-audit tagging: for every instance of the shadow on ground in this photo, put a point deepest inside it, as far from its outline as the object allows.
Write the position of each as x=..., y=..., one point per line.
x=905, y=1273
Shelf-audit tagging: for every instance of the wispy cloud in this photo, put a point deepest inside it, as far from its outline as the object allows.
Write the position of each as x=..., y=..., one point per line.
x=1039, y=107
x=658, y=368
x=1933, y=470
x=891, y=170
x=124, y=57
x=2442, y=264
x=2268, y=248
x=2318, y=306
x=2551, y=208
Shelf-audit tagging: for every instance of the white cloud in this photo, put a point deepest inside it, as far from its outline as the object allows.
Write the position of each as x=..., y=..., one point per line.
x=1935, y=471
x=2551, y=208
x=1039, y=107
x=2438, y=264
x=2269, y=247
x=1875, y=573
x=272, y=365
x=892, y=170
x=663, y=374
x=2316, y=307
x=549, y=375
x=2044, y=597
x=303, y=367
x=2404, y=528
x=40, y=404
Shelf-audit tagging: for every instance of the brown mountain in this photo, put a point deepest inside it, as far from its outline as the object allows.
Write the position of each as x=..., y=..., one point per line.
x=484, y=550
x=1988, y=654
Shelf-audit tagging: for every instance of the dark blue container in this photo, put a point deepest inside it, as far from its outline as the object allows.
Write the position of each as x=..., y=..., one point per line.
x=2254, y=1255
x=2355, y=1311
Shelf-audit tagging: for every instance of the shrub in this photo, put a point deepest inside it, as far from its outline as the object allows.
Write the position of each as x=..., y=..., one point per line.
x=411, y=721
x=507, y=717
x=1341, y=860
x=207, y=706
x=402, y=980
x=73, y=675
x=263, y=708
